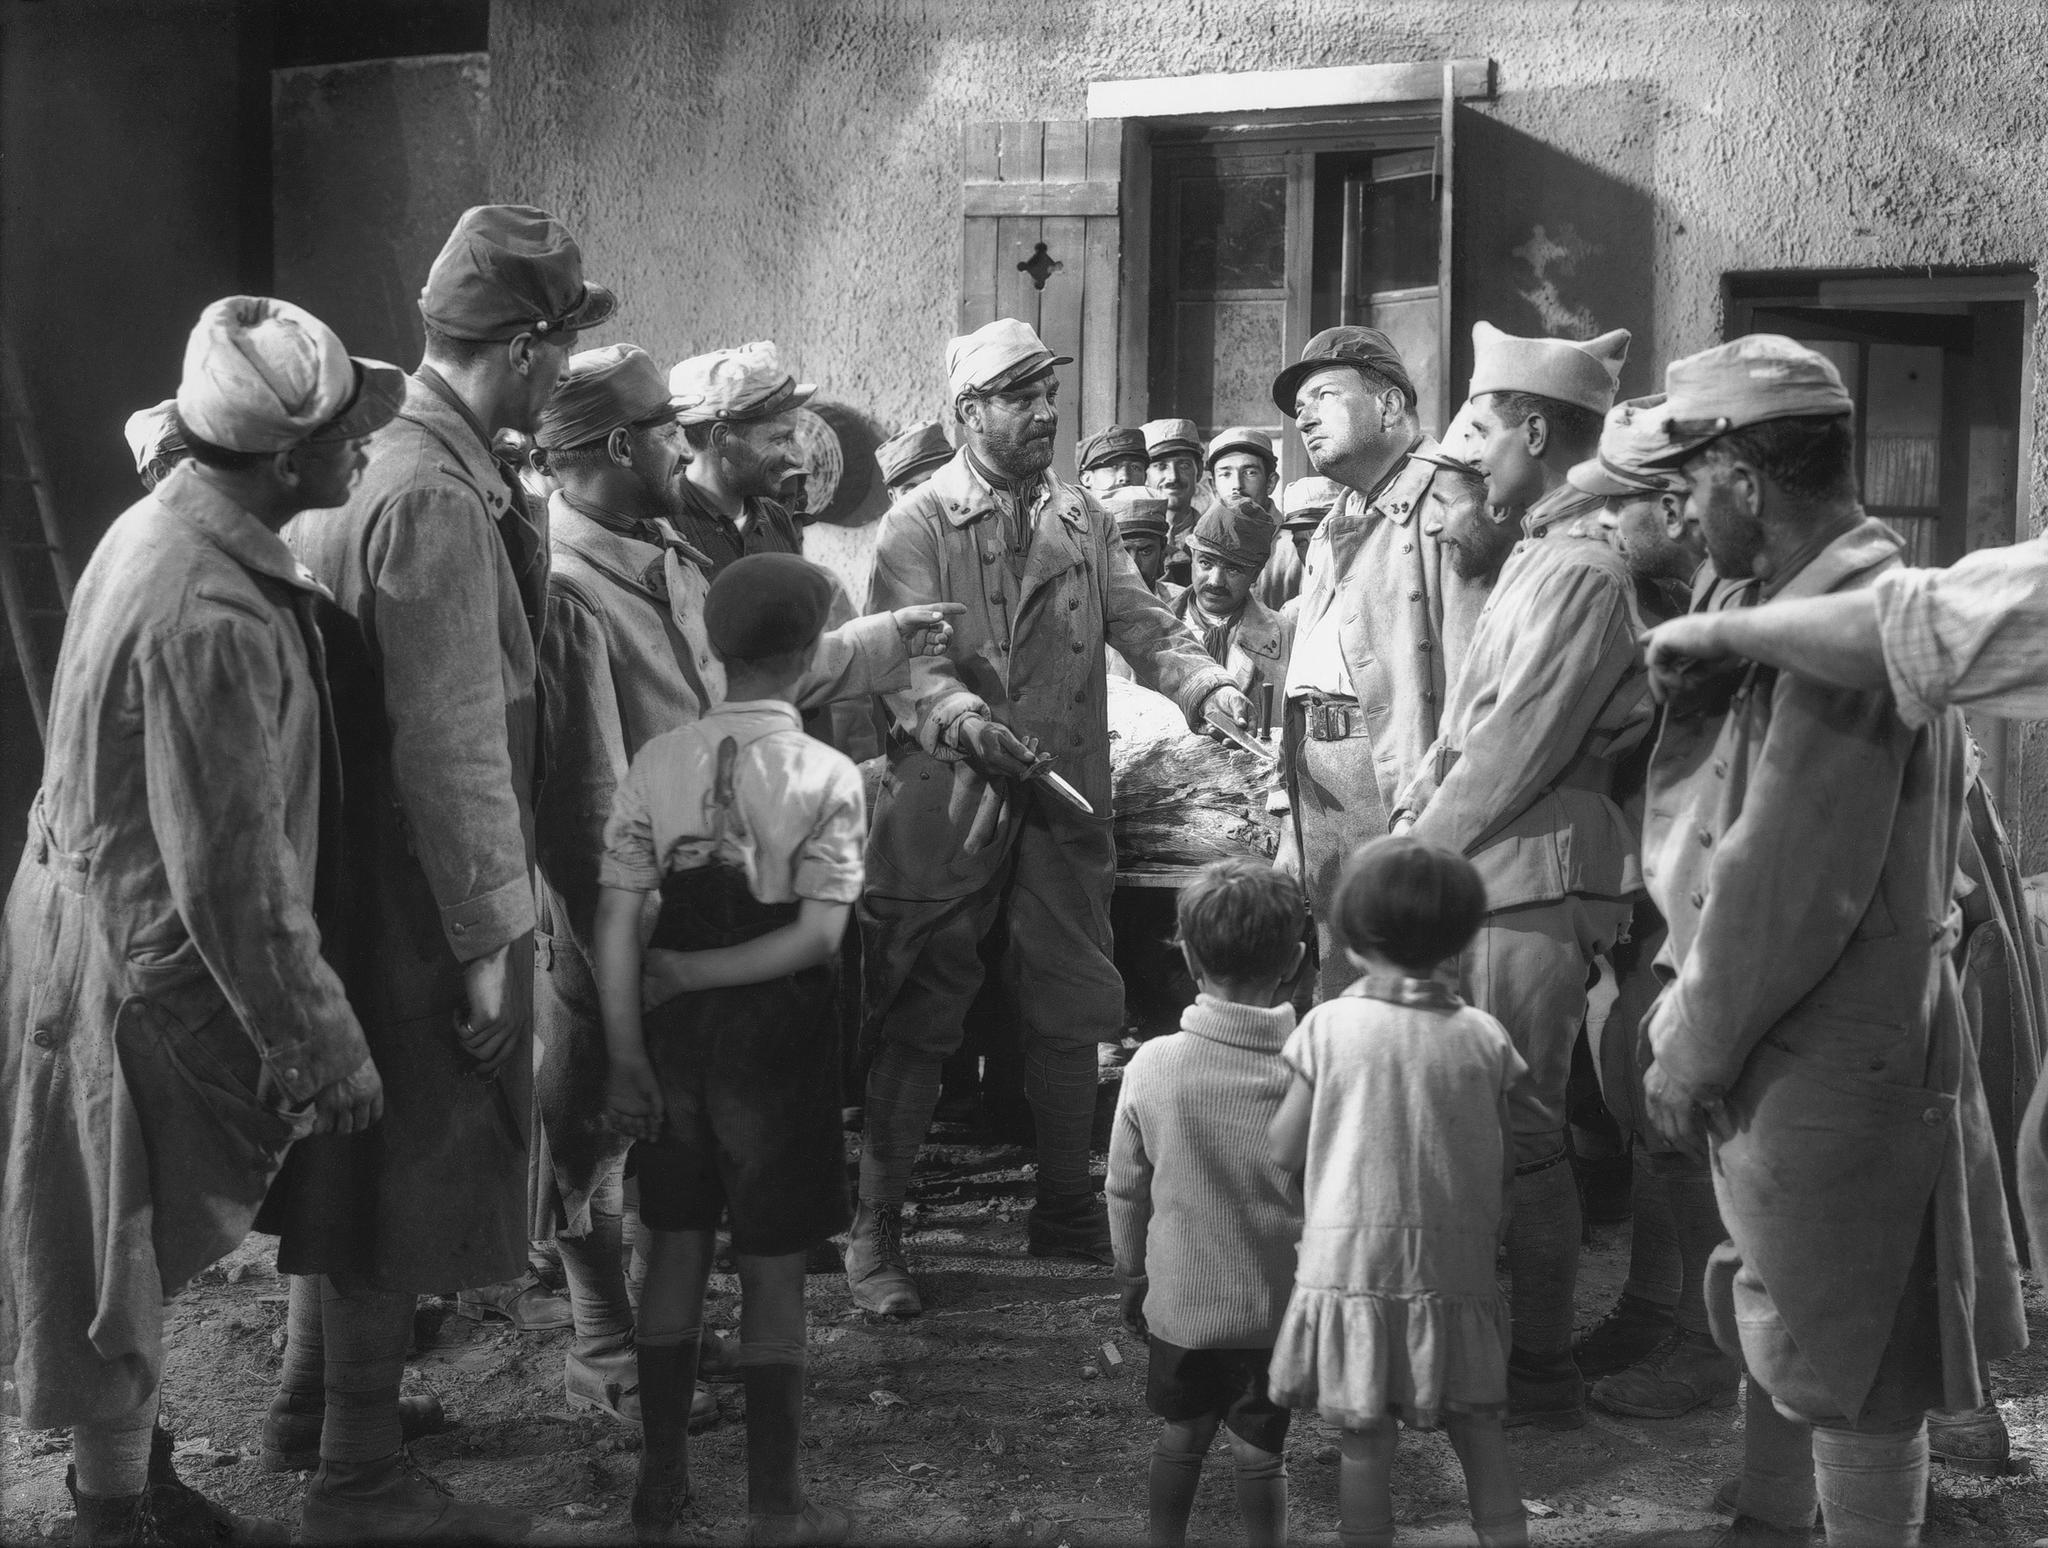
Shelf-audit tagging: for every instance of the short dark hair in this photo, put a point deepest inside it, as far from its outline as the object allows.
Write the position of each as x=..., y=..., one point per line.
x=460, y=352
x=1573, y=425
x=222, y=457
x=1810, y=456
x=1408, y=901
x=1242, y=919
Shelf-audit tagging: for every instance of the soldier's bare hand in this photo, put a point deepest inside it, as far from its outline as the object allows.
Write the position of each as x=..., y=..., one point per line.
x=995, y=748
x=351, y=1104
x=1677, y=1118
x=928, y=628
x=1676, y=648
x=1229, y=702
x=500, y=1004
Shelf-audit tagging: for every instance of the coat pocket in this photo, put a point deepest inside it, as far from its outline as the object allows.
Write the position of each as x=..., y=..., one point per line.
x=200, y=1064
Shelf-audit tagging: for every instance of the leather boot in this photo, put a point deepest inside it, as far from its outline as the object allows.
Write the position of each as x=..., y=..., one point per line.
x=1970, y=1440
x=392, y=1500
x=877, y=1273
x=179, y=1513
x=106, y=1520
x=668, y=1385
x=1069, y=1226
x=777, y=1511
x=291, y=1430
x=1630, y=1332
x=1688, y=1371
x=1545, y=1391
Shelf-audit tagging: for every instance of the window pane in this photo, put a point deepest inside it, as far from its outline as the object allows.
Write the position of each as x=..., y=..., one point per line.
x=1225, y=351
x=1233, y=233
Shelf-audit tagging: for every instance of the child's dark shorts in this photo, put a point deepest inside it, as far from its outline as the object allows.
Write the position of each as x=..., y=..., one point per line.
x=1225, y=1384
x=750, y=1081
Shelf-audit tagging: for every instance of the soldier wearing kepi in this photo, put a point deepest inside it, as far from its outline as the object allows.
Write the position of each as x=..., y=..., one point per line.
x=1111, y=459
x=1368, y=669
x=624, y=658
x=734, y=406
x=1173, y=454
x=170, y=1024
x=1804, y=846
x=1229, y=546
x=1140, y=517
x=438, y=574
x=964, y=835
x=1521, y=782
x=1241, y=464
x=912, y=455
x=1303, y=505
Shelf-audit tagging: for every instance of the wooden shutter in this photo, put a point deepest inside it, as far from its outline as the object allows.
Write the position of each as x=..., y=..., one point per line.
x=1056, y=183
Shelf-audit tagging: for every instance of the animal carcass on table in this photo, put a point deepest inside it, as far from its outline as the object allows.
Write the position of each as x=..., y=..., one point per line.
x=1181, y=798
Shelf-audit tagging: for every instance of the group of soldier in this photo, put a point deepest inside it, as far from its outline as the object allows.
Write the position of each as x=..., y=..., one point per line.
x=301, y=940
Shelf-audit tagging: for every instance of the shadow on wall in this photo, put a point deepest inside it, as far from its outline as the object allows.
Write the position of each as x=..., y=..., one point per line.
x=1549, y=244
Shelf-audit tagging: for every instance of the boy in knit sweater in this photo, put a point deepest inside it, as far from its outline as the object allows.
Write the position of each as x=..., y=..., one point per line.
x=1204, y=1225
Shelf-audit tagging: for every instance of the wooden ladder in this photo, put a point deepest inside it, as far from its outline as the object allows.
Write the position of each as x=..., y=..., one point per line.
x=35, y=577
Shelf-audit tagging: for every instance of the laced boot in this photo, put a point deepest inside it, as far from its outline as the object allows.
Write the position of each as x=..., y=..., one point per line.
x=1628, y=1333
x=291, y=1430
x=778, y=1513
x=107, y=1520
x=1687, y=1371
x=876, y=1271
x=668, y=1387
x=1970, y=1440
x=178, y=1513
x=392, y=1500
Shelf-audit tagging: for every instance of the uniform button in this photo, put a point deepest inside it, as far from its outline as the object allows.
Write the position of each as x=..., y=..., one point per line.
x=1079, y=647
x=1720, y=768
x=1699, y=900
x=1414, y=596
x=1081, y=696
x=1407, y=548
x=1932, y=1117
x=1429, y=695
x=1072, y=603
x=459, y=928
x=1423, y=647
x=42, y=1039
x=291, y=1074
x=1706, y=839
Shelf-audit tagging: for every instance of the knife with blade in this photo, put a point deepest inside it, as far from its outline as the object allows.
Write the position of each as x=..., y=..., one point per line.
x=1042, y=772
x=1236, y=733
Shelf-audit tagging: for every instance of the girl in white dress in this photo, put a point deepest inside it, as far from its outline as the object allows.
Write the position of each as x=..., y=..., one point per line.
x=1398, y=1114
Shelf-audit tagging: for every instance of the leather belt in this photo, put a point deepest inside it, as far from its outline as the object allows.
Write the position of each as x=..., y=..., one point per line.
x=1331, y=720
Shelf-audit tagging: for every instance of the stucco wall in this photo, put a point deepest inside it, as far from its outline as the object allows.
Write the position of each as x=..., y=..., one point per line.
x=787, y=168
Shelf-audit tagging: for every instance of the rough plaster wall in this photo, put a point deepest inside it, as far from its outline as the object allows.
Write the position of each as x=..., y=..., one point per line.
x=748, y=168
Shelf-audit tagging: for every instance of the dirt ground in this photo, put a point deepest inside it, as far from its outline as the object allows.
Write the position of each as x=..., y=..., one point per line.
x=994, y=1418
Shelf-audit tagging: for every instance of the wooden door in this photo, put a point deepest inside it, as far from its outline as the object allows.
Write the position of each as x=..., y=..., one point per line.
x=1041, y=241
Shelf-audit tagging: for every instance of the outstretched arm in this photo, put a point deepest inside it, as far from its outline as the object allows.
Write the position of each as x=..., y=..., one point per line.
x=1833, y=640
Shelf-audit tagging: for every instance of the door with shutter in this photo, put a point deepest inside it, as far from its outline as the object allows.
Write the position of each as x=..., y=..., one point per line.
x=1041, y=241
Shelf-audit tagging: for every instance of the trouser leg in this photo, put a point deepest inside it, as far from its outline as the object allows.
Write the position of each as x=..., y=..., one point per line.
x=1696, y=1221
x=1654, y=1271
x=593, y=1264
x=365, y=1335
x=1336, y=802
x=1872, y=1484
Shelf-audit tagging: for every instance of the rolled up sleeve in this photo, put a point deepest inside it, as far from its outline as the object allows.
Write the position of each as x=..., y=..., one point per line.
x=217, y=804
x=630, y=863
x=1973, y=636
x=434, y=557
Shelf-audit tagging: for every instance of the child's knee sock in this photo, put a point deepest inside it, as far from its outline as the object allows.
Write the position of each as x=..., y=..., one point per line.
x=1170, y=1490
x=1492, y=1493
x=772, y=1372
x=1365, y=1494
x=1873, y=1488
x=1261, y=1494
x=112, y=1458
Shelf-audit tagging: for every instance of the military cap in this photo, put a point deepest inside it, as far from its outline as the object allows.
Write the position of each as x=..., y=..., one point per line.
x=1138, y=512
x=1239, y=532
x=766, y=605
x=996, y=357
x=153, y=434
x=601, y=391
x=1306, y=501
x=1564, y=369
x=1459, y=447
x=1759, y=377
x=731, y=386
x=261, y=375
x=1240, y=438
x=913, y=449
x=508, y=269
x=1367, y=348
x=1635, y=429
x=1116, y=443
x=1164, y=437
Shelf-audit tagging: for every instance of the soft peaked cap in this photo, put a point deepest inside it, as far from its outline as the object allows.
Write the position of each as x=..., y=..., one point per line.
x=1636, y=431
x=996, y=357
x=601, y=391
x=263, y=375
x=1746, y=381
x=508, y=269
x=746, y=382
x=1564, y=369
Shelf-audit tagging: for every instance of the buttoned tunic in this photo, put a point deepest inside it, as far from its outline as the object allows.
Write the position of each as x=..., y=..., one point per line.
x=1259, y=644
x=624, y=658
x=167, y=1012
x=1804, y=846
x=437, y=573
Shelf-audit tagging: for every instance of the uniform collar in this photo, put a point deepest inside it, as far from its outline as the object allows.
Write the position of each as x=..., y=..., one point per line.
x=433, y=405
x=1561, y=505
x=1397, y=495
x=233, y=530
x=757, y=709
x=1868, y=545
x=630, y=561
x=966, y=497
x=1258, y=629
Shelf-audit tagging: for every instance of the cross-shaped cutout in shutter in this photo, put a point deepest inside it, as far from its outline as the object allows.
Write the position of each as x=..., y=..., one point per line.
x=1041, y=266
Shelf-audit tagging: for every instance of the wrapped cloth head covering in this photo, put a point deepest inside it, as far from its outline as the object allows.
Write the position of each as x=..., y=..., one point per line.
x=733, y=385
x=997, y=356
x=1138, y=512
x=1306, y=501
x=1634, y=430
x=765, y=605
x=262, y=375
x=913, y=449
x=1165, y=437
x=1367, y=348
x=1244, y=438
x=1746, y=381
x=1116, y=443
x=601, y=391
x=508, y=269
x=1459, y=448
x=1585, y=374
x=1238, y=532
x=153, y=434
